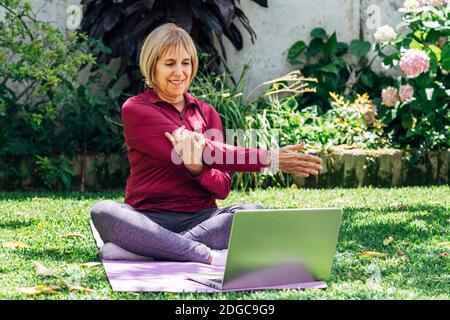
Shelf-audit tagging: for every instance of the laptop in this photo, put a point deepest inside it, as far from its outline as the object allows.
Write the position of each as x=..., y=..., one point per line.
x=278, y=247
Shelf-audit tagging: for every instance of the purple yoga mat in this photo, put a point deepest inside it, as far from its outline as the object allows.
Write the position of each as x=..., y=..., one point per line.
x=163, y=276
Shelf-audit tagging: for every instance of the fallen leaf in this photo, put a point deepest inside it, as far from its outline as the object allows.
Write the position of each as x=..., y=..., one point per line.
x=72, y=235
x=50, y=290
x=341, y=201
x=434, y=202
x=90, y=264
x=15, y=244
x=400, y=254
x=388, y=241
x=391, y=216
x=399, y=206
x=372, y=254
x=404, y=243
x=444, y=254
x=42, y=270
x=31, y=290
x=39, y=289
x=81, y=289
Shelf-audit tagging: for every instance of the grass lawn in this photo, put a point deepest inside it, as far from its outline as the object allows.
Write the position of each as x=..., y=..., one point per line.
x=416, y=266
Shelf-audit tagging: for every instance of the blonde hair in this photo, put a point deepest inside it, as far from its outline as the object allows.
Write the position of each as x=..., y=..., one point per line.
x=162, y=39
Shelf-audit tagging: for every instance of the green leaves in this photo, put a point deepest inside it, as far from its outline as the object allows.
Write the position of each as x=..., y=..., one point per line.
x=331, y=45
x=319, y=33
x=315, y=47
x=445, y=54
x=296, y=49
x=359, y=48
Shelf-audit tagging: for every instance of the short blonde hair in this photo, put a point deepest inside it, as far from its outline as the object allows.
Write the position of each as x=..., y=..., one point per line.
x=162, y=39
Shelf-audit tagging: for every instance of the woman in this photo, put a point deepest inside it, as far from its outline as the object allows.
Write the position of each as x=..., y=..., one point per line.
x=176, y=153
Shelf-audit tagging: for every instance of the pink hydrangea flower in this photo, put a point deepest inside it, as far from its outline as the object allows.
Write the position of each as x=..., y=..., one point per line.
x=414, y=62
x=434, y=3
x=437, y=3
x=384, y=34
x=405, y=92
x=390, y=96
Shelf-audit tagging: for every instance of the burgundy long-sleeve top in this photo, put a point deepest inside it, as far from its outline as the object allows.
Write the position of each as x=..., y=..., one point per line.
x=159, y=183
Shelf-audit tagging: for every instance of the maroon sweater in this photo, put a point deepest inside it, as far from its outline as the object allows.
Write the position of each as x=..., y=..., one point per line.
x=156, y=183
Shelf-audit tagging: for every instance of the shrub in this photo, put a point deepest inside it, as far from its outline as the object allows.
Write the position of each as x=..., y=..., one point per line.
x=46, y=114
x=416, y=108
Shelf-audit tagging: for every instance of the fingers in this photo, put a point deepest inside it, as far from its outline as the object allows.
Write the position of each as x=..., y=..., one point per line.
x=177, y=146
x=296, y=172
x=177, y=134
x=294, y=156
x=300, y=170
x=295, y=147
x=171, y=138
x=305, y=164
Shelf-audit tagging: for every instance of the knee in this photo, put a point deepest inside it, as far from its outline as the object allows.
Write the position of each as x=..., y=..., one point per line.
x=256, y=206
x=102, y=209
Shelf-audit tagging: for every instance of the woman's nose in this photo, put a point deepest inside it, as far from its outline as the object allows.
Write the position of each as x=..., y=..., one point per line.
x=178, y=69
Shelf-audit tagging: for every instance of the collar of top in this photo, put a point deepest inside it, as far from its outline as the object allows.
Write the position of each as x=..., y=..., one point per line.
x=153, y=97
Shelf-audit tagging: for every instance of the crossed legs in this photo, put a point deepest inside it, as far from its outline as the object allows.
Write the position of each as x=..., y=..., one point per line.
x=138, y=232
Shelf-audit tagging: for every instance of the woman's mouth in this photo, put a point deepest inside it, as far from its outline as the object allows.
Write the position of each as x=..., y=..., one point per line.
x=176, y=82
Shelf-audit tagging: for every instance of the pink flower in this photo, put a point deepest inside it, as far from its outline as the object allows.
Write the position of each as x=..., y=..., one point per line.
x=384, y=34
x=414, y=62
x=406, y=92
x=390, y=96
x=370, y=115
x=434, y=3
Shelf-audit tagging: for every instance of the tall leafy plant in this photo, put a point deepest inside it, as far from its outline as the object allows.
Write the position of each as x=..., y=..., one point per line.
x=123, y=25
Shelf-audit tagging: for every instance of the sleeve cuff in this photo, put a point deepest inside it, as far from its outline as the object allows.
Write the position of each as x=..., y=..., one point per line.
x=205, y=171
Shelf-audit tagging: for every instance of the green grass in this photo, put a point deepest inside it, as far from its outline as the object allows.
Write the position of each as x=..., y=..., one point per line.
x=417, y=218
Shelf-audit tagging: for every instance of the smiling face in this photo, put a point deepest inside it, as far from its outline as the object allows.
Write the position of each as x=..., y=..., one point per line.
x=172, y=74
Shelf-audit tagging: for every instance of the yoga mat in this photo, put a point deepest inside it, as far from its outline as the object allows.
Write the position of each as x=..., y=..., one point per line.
x=165, y=276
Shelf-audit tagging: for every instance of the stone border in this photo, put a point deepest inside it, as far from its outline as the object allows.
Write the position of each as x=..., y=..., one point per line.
x=342, y=167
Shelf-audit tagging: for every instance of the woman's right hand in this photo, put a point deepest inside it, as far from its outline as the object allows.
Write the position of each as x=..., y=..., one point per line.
x=290, y=161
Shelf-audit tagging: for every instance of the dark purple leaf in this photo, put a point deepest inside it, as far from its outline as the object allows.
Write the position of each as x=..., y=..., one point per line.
x=262, y=3
x=246, y=23
x=149, y=4
x=183, y=16
x=226, y=9
x=111, y=18
x=235, y=36
x=138, y=5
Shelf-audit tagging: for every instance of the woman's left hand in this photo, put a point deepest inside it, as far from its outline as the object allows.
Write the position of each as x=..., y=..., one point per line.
x=189, y=146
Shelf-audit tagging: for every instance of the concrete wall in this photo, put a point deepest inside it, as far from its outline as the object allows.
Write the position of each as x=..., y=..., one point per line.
x=279, y=26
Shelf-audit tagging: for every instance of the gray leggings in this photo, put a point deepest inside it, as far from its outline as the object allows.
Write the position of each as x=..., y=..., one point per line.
x=166, y=235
